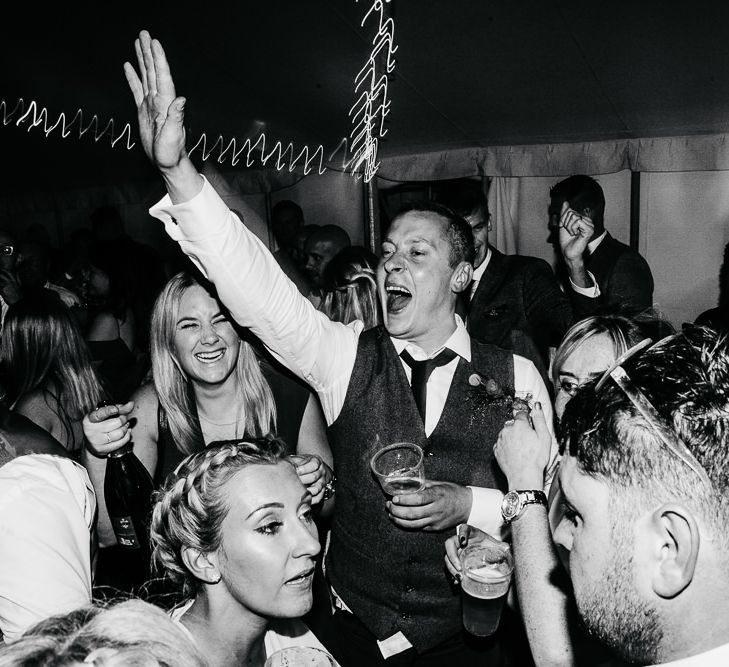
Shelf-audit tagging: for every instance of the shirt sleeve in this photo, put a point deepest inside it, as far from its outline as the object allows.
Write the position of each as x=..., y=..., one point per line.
x=47, y=511
x=486, y=503
x=260, y=296
x=593, y=292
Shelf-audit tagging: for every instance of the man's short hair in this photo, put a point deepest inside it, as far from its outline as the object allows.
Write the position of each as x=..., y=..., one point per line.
x=457, y=231
x=686, y=378
x=464, y=196
x=582, y=192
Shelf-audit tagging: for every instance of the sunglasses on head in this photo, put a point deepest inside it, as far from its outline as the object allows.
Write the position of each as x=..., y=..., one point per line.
x=666, y=435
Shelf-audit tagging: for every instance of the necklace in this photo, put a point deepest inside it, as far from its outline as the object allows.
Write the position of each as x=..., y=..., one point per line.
x=210, y=421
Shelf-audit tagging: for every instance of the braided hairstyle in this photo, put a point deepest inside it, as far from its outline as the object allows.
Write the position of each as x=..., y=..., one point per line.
x=191, y=507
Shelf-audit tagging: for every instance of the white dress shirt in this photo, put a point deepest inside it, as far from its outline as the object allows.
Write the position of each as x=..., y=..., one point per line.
x=716, y=657
x=47, y=514
x=478, y=273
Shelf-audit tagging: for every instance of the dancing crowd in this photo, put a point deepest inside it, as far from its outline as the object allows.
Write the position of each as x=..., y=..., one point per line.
x=255, y=388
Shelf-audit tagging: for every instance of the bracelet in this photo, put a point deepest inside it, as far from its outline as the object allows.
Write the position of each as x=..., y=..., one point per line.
x=329, y=489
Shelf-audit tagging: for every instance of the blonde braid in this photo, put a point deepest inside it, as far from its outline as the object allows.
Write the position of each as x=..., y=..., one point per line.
x=191, y=507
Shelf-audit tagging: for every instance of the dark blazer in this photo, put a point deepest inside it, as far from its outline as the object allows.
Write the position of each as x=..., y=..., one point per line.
x=624, y=278
x=519, y=305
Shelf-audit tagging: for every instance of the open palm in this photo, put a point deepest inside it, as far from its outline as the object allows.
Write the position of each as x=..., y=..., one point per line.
x=159, y=111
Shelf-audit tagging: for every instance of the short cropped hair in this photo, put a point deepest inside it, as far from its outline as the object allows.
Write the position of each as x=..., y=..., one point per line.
x=582, y=192
x=457, y=231
x=191, y=507
x=686, y=378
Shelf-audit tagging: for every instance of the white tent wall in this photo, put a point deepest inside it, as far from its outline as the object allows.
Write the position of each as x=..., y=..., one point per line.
x=684, y=229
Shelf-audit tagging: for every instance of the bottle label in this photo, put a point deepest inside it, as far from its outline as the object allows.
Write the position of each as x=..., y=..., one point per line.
x=124, y=531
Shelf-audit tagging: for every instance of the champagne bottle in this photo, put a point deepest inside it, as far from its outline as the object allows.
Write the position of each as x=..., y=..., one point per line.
x=128, y=491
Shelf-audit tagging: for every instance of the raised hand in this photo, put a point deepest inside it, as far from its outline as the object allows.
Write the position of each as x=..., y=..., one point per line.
x=159, y=111
x=575, y=232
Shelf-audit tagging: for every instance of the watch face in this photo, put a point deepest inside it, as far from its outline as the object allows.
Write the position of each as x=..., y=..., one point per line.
x=510, y=505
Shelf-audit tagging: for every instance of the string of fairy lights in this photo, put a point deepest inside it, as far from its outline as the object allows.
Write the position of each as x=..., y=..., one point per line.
x=359, y=150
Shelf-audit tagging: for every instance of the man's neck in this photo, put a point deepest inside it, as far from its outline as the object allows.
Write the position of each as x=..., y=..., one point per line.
x=434, y=340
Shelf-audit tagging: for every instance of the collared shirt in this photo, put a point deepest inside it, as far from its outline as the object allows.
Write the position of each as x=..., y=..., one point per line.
x=321, y=352
x=478, y=273
x=47, y=514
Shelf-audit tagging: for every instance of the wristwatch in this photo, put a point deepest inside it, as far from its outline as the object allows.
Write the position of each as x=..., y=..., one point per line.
x=514, y=503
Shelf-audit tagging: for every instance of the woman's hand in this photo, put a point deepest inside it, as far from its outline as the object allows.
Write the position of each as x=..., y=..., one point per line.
x=313, y=473
x=465, y=536
x=107, y=428
x=523, y=452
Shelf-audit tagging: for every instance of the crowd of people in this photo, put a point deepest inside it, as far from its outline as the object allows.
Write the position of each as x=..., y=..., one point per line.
x=255, y=387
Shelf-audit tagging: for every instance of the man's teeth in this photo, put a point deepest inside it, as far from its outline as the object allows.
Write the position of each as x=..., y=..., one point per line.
x=210, y=356
x=396, y=289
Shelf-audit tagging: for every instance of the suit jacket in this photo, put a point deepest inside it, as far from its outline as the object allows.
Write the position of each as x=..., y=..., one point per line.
x=519, y=305
x=624, y=278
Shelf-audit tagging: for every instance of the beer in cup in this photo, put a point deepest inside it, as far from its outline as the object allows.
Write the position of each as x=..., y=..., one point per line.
x=485, y=577
x=399, y=468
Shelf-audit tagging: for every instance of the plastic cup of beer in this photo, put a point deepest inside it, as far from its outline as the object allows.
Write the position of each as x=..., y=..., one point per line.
x=300, y=656
x=399, y=468
x=485, y=577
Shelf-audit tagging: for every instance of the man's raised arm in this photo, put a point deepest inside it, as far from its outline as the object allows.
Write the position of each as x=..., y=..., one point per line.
x=245, y=274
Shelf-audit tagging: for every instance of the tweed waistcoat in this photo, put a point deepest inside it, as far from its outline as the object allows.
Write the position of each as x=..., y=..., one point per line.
x=393, y=579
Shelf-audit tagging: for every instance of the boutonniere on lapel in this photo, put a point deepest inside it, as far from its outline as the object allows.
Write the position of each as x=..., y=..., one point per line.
x=488, y=393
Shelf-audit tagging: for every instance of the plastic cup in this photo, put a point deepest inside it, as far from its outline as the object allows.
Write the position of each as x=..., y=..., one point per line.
x=399, y=468
x=486, y=570
x=300, y=656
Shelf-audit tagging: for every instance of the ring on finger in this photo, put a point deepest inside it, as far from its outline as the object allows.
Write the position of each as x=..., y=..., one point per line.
x=108, y=438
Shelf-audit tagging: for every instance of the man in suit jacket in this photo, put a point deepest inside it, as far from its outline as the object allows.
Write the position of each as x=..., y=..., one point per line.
x=514, y=301
x=599, y=266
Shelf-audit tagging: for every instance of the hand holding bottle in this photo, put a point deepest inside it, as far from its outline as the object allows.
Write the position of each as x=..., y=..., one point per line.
x=107, y=428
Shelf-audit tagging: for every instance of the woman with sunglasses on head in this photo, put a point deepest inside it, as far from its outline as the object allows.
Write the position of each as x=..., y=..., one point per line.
x=234, y=529
x=208, y=384
x=587, y=350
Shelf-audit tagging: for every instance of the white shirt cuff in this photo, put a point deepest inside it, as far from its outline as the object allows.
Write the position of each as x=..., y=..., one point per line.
x=486, y=511
x=593, y=292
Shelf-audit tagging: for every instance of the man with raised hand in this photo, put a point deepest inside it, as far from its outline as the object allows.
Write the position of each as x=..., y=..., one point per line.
x=384, y=562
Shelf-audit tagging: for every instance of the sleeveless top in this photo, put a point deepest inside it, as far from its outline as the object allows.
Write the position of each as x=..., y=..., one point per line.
x=290, y=396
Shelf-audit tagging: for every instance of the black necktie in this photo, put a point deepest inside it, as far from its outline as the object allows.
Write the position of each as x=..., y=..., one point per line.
x=421, y=372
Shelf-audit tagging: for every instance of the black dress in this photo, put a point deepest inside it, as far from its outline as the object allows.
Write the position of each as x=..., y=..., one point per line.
x=290, y=396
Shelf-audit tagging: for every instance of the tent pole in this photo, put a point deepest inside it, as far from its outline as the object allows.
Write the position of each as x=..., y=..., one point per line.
x=634, y=209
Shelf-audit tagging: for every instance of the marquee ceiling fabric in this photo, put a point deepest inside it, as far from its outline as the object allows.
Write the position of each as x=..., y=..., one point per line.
x=505, y=83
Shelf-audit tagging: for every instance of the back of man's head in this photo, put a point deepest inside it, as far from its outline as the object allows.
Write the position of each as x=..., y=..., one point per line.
x=584, y=195
x=676, y=494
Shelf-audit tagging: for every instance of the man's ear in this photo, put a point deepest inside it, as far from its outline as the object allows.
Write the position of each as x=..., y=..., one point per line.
x=675, y=542
x=461, y=277
x=203, y=566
